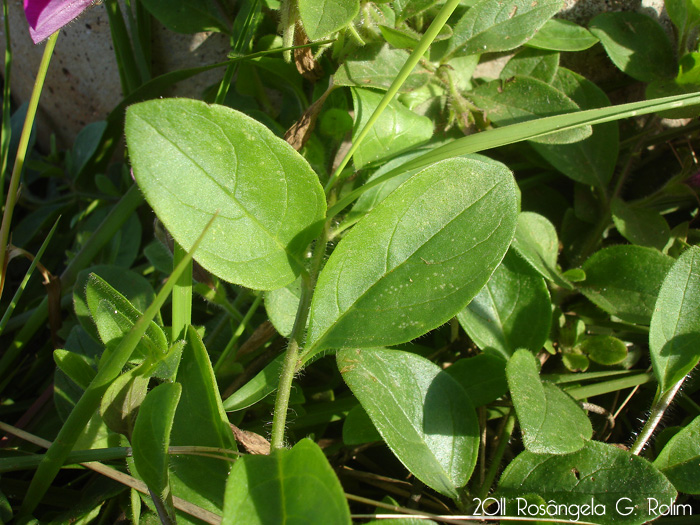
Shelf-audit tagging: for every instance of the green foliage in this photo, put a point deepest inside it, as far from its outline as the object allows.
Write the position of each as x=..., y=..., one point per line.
x=678, y=460
x=327, y=16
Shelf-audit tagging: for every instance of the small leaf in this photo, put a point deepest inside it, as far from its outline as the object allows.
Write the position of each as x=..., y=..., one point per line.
x=376, y=66
x=289, y=486
x=358, y=428
x=269, y=200
x=534, y=63
x=121, y=402
x=674, y=334
x=562, y=35
x=512, y=311
x=679, y=460
x=401, y=272
x=189, y=16
x=151, y=437
x=425, y=417
x=536, y=241
x=616, y=482
x=683, y=13
x=323, y=17
x=489, y=26
x=625, y=281
x=281, y=306
x=75, y=366
x=640, y=226
x=636, y=44
x=604, y=349
x=483, y=377
x=551, y=422
x=525, y=98
x=398, y=129
x=263, y=384
x=200, y=420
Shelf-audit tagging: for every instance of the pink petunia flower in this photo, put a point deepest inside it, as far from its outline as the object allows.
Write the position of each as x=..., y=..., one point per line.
x=45, y=17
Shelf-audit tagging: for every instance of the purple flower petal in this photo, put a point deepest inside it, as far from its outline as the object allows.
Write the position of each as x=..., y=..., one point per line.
x=45, y=17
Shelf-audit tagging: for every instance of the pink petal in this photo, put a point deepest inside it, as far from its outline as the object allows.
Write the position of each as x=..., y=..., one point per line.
x=45, y=17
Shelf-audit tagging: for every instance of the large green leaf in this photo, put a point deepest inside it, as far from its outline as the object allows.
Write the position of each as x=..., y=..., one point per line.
x=423, y=414
x=491, y=26
x=512, y=311
x=636, y=44
x=525, y=98
x=190, y=16
x=295, y=487
x=323, y=17
x=679, y=460
x=199, y=420
x=625, y=281
x=616, y=482
x=550, y=421
x=562, y=35
x=590, y=161
x=674, y=334
x=536, y=241
x=398, y=129
x=151, y=437
x=400, y=271
x=192, y=160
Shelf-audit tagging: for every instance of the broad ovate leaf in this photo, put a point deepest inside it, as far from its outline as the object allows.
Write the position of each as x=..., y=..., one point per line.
x=618, y=483
x=679, y=460
x=558, y=34
x=288, y=486
x=192, y=160
x=397, y=130
x=422, y=414
x=550, y=420
x=674, y=334
x=512, y=311
x=416, y=259
x=625, y=281
x=323, y=17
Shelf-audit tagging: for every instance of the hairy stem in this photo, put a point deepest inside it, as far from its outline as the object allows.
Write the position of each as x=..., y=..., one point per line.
x=658, y=410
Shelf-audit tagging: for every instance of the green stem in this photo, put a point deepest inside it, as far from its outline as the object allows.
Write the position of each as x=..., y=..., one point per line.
x=123, y=52
x=658, y=410
x=87, y=404
x=288, y=19
x=22, y=150
x=420, y=50
x=495, y=466
x=182, y=295
x=238, y=333
x=6, y=118
x=291, y=358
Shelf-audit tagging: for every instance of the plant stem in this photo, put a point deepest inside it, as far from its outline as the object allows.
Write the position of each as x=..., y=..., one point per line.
x=503, y=440
x=291, y=358
x=427, y=39
x=22, y=152
x=6, y=117
x=658, y=410
x=238, y=333
x=182, y=295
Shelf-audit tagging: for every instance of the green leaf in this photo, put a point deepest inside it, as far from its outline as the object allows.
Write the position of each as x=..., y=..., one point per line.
x=522, y=99
x=425, y=417
x=323, y=17
x=401, y=272
x=512, y=311
x=134, y=287
x=590, y=161
x=679, y=460
x=294, y=486
x=536, y=241
x=599, y=474
x=121, y=402
x=397, y=130
x=489, y=26
x=75, y=366
x=562, y=35
x=358, y=428
x=281, y=306
x=674, y=334
x=407, y=8
x=189, y=16
x=270, y=202
x=483, y=377
x=151, y=437
x=636, y=44
x=550, y=420
x=114, y=316
x=534, y=63
x=376, y=66
x=683, y=13
x=625, y=281
x=604, y=349
x=199, y=420
x=640, y=226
